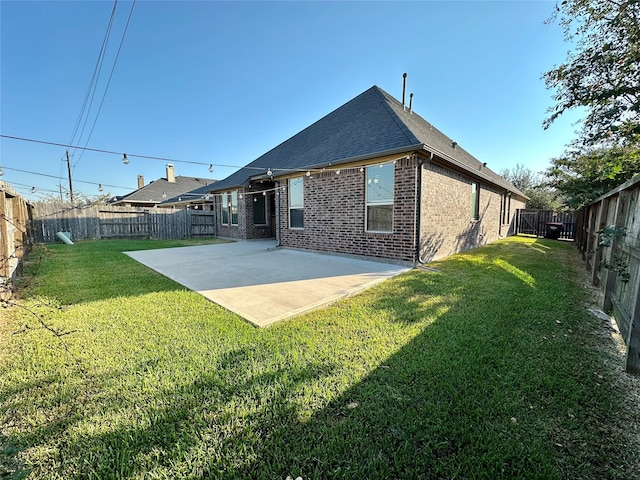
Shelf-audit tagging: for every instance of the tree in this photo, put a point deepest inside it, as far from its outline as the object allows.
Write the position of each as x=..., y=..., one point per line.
x=534, y=186
x=583, y=177
x=603, y=73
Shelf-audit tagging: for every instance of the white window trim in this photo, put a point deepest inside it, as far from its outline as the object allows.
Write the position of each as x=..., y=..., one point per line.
x=295, y=208
x=367, y=204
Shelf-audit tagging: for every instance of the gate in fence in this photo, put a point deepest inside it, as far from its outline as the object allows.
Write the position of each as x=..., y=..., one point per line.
x=534, y=222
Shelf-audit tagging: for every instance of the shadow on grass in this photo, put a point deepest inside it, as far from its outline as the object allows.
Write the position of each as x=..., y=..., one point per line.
x=493, y=382
x=98, y=270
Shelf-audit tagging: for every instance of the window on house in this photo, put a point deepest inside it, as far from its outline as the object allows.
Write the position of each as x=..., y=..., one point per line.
x=475, y=201
x=259, y=210
x=379, y=198
x=296, y=202
x=506, y=208
x=225, y=208
x=234, y=207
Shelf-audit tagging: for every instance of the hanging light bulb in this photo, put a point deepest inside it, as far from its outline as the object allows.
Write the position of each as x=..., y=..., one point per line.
x=164, y=195
x=337, y=172
x=269, y=172
x=1, y=172
x=308, y=173
x=100, y=187
x=125, y=160
x=361, y=169
x=264, y=194
x=210, y=167
x=33, y=189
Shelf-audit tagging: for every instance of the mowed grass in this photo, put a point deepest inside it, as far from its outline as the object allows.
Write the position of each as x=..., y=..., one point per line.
x=488, y=368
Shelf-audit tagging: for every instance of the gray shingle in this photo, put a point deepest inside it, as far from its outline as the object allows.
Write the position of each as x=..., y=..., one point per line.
x=370, y=125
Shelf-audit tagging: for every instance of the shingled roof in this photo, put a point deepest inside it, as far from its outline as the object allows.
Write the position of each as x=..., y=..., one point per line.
x=161, y=189
x=371, y=125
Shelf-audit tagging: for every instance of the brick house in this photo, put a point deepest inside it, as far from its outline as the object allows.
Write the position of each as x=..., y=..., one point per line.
x=371, y=178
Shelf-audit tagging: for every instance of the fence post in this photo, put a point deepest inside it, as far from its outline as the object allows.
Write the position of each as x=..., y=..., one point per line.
x=633, y=344
x=611, y=275
x=597, y=257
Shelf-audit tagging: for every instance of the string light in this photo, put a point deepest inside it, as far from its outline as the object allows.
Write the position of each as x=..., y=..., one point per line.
x=210, y=167
x=1, y=172
x=33, y=189
x=269, y=172
x=125, y=160
x=100, y=187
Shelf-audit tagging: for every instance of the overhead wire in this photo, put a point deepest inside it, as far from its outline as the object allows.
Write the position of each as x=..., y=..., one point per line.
x=106, y=88
x=84, y=113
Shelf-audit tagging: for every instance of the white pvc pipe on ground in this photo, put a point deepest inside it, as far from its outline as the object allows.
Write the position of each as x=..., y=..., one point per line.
x=62, y=236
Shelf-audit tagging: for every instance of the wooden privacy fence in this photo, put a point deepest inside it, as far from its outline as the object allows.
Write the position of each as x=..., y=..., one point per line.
x=104, y=222
x=15, y=233
x=608, y=235
x=534, y=222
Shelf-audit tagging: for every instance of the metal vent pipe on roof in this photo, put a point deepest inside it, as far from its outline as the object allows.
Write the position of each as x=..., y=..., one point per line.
x=404, y=86
x=410, y=102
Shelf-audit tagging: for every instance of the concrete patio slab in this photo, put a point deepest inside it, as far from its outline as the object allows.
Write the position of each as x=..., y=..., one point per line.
x=262, y=283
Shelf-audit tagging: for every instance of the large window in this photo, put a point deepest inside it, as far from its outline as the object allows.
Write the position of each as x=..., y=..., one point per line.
x=379, y=198
x=259, y=210
x=224, y=208
x=475, y=201
x=229, y=208
x=296, y=202
x=234, y=207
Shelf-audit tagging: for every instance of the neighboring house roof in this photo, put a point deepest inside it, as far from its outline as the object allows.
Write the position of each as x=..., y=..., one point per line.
x=161, y=189
x=371, y=125
x=193, y=196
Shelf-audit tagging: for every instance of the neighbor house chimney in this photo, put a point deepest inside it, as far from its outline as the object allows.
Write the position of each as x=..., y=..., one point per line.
x=171, y=174
x=140, y=181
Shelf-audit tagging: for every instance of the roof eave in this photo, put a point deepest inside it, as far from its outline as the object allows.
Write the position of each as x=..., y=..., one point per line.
x=466, y=168
x=360, y=158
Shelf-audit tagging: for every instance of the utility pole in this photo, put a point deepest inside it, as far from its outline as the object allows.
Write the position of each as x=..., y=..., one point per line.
x=70, y=184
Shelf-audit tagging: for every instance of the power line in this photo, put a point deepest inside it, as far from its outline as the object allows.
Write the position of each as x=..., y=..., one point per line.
x=147, y=157
x=94, y=79
x=54, y=176
x=106, y=88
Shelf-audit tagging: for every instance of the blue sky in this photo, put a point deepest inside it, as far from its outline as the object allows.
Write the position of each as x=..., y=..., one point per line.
x=223, y=82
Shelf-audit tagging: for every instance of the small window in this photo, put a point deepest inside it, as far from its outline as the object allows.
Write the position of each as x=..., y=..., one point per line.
x=475, y=201
x=259, y=210
x=296, y=202
x=225, y=208
x=379, y=198
x=234, y=207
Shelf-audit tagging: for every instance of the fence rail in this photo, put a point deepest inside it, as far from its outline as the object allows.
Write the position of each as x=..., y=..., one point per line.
x=534, y=222
x=608, y=235
x=104, y=222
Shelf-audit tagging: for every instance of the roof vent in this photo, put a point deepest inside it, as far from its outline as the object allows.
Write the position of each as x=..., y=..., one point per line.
x=453, y=144
x=404, y=87
x=410, y=102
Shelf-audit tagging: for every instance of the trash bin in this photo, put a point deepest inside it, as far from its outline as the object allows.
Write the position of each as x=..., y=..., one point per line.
x=554, y=229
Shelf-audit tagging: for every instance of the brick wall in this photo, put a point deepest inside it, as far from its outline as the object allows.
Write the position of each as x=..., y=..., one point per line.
x=334, y=215
x=447, y=225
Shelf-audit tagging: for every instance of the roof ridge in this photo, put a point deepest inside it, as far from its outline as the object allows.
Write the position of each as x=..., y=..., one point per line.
x=411, y=137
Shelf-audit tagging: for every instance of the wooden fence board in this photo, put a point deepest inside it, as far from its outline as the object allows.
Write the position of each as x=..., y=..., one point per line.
x=534, y=222
x=617, y=209
x=98, y=222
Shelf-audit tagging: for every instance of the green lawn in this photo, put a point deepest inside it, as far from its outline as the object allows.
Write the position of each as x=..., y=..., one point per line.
x=489, y=368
